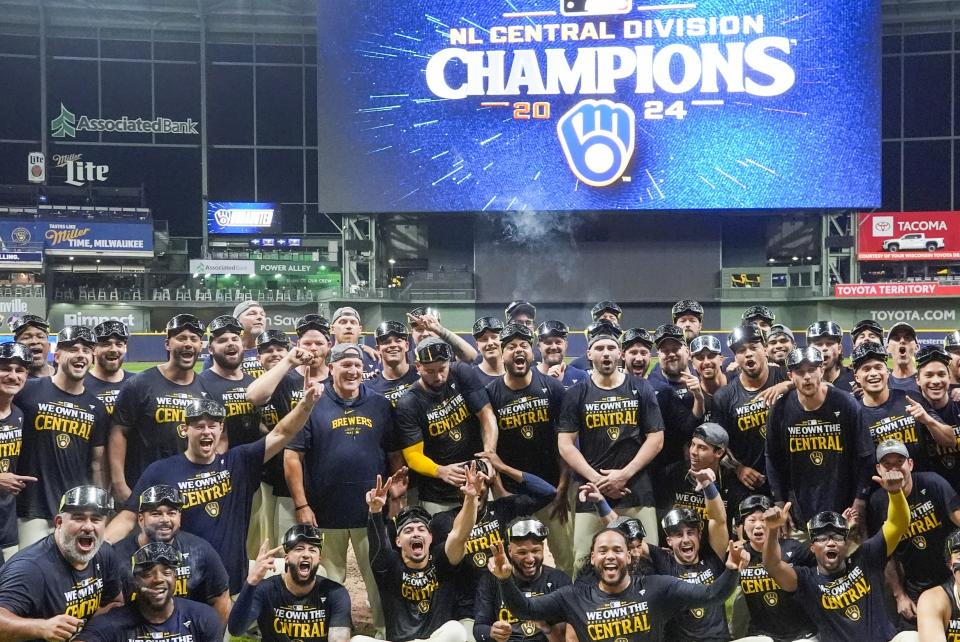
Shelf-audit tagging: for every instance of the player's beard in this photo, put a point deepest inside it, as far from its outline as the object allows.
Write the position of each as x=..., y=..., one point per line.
x=300, y=581
x=69, y=547
x=227, y=362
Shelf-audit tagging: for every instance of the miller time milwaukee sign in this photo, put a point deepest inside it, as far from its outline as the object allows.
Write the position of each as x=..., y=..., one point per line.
x=67, y=124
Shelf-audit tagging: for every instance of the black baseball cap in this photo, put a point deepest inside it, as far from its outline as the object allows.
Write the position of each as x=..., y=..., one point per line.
x=952, y=544
x=224, y=323
x=705, y=342
x=409, y=514
x=183, y=322
x=520, y=307
x=778, y=329
x=389, y=329
x=631, y=527
x=758, y=312
x=637, y=335
x=828, y=329
x=678, y=517
x=483, y=324
x=902, y=326
x=302, y=533
x=155, y=553
x=71, y=334
x=312, y=322
x=18, y=324
x=549, y=329
x=668, y=332
x=752, y=504
x=605, y=306
x=198, y=408
x=745, y=334
x=867, y=324
x=272, y=337
x=13, y=351
x=686, y=306
x=516, y=331
x=952, y=340
x=111, y=328
x=799, y=356
x=827, y=522
x=931, y=353
x=86, y=498
x=868, y=351
x=526, y=527
x=433, y=349
x=160, y=495
x=605, y=328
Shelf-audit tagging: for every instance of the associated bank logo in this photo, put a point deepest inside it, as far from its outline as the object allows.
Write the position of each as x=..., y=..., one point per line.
x=598, y=138
x=595, y=7
x=67, y=124
x=883, y=226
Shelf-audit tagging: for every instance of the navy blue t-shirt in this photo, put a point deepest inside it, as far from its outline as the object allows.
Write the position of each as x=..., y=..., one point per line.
x=216, y=500
x=393, y=389
x=344, y=445
x=200, y=577
x=698, y=624
x=573, y=375
x=891, y=420
x=39, y=583
x=284, y=617
x=151, y=409
x=946, y=461
x=190, y=622
x=105, y=391
x=60, y=431
x=11, y=439
x=679, y=422
x=250, y=364
x=907, y=384
x=242, y=422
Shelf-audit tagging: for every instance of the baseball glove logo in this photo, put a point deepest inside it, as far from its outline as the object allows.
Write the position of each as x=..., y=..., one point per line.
x=598, y=138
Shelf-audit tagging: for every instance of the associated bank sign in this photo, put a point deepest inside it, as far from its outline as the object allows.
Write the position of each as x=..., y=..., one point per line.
x=67, y=124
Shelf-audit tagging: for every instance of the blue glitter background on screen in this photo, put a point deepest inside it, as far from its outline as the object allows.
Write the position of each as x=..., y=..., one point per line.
x=387, y=143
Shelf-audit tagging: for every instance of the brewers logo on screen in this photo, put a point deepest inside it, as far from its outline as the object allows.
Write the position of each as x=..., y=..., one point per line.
x=599, y=104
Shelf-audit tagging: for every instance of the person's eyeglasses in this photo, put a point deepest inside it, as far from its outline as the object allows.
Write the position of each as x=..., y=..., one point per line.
x=823, y=538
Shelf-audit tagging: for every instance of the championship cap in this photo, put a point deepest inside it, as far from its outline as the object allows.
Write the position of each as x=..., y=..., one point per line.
x=552, y=329
x=799, y=356
x=821, y=329
x=272, y=337
x=345, y=311
x=951, y=341
x=410, y=514
x=931, y=353
x=433, y=349
x=182, y=322
x=344, y=351
x=302, y=533
x=778, y=329
x=827, y=522
x=12, y=351
x=520, y=307
x=419, y=312
x=679, y=517
x=516, y=331
x=637, y=335
x=865, y=325
x=86, y=498
x=712, y=434
x=952, y=545
x=155, y=553
x=601, y=330
x=484, y=324
x=892, y=447
x=111, y=328
x=752, y=504
x=868, y=351
x=746, y=334
x=758, y=312
x=199, y=408
x=605, y=306
x=389, y=329
x=705, y=342
x=527, y=528
x=686, y=306
x=19, y=324
x=313, y=322
x=902, y=327
x=243, y=306
x=224, y=323
x=71, y=334
x=160, y=495
x=668, y=332
x=631, y=527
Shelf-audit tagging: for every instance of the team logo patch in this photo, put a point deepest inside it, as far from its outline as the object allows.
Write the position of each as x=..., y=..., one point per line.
x=526, y=432
x=63, y=441
x=853, y=612
x=480, y=559
x=771, y=598
x=948, y=462
x=423, y=606
x=182, y=430
x=456, y=434
x=613, y=432
x=213, y=509
x=698, y=613
x=816, y=457
x=529, y=629
x=920, y=542
x=4, y=465
x=20, y=235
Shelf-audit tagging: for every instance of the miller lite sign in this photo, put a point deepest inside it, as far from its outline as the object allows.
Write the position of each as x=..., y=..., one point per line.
x=36, y=167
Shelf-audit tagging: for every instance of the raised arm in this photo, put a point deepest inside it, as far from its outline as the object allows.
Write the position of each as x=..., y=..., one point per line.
x=898, y=511
x=455, y=546
x=260, y=391
x=293, y=421
x=542, y=607
x=783, y=573
x=716, y=515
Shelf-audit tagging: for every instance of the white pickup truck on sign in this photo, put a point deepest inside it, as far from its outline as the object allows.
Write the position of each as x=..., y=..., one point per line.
x=913, y=242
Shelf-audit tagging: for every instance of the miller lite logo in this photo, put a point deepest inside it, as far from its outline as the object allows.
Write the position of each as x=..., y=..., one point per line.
x=36, y=167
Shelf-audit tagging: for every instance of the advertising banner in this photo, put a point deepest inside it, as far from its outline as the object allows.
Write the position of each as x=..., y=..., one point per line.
x=222, y=266
x=242, y=218
x=26, y=260
x=598, y=105
x=893, y=290
x=18, y=306
x=66, y=237
x=265, y=268
x=908, y=236
x=136, y=319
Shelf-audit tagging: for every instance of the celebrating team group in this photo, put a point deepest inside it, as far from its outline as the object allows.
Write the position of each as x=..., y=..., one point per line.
x=688, y=487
